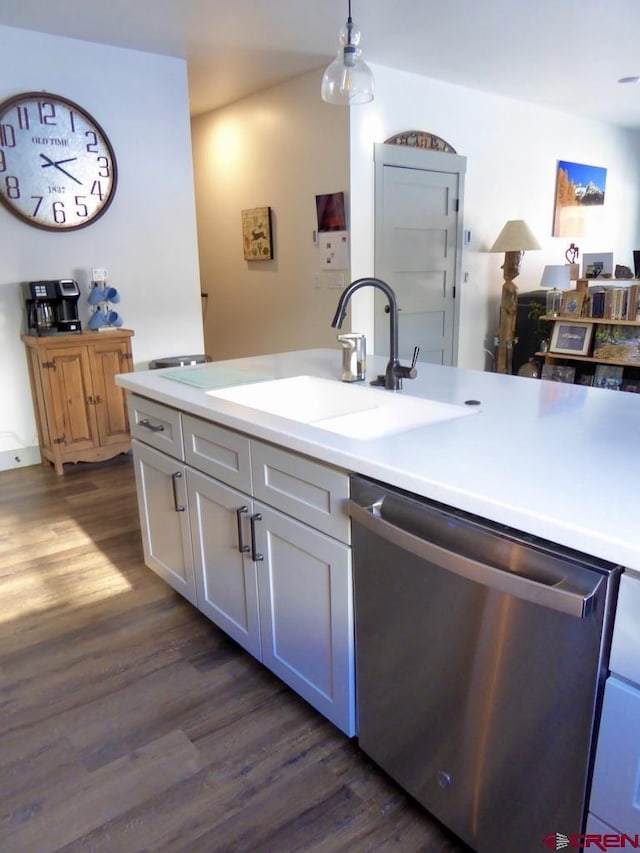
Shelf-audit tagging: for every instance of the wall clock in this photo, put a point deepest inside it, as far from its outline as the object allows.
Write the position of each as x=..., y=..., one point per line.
x=57, y=167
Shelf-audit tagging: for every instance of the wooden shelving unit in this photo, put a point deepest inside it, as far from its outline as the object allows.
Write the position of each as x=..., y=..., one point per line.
x=554, y=357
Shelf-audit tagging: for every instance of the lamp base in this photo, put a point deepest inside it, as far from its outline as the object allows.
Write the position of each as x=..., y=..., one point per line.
x=507, y=331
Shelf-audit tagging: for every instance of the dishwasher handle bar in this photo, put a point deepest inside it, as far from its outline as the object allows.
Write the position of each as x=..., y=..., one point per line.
x=553, y=597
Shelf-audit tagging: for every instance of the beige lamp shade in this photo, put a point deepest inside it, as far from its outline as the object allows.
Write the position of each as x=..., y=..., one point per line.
x=516, y=236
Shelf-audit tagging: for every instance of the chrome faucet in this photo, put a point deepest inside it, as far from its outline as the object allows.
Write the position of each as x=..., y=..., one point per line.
x=395, y=372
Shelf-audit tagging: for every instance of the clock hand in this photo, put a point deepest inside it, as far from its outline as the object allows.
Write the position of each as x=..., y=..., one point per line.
x=60, y=169
x=57, y=162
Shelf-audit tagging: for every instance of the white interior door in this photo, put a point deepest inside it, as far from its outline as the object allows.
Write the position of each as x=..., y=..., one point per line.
x=418, y=237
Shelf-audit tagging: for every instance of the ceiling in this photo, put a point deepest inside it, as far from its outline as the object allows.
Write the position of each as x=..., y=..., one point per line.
x=566, y=54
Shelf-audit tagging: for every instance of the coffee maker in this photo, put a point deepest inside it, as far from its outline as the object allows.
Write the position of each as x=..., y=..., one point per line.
x=52, y=306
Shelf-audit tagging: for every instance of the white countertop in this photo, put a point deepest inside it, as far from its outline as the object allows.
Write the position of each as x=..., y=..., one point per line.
x=555, y=460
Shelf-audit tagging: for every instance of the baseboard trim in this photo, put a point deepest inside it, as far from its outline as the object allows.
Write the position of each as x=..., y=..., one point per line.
x=19, y=458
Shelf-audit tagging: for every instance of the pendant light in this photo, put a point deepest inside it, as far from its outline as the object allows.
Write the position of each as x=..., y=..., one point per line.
x=348, y=80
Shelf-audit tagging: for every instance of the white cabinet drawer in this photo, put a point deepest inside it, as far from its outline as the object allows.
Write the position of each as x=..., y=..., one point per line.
x=615, y=796
x=156, y=424
x=307, y=490
x=625, y=647
x=217, y=451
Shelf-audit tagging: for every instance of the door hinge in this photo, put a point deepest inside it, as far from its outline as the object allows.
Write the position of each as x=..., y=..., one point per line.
x=456, y=205
x=127, y=356
x=61, y=440
x=454, y=291
x=48, y=365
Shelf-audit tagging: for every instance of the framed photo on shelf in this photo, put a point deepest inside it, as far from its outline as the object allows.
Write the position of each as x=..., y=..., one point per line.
x=572, y=302
x=597, y=265
x=571, y=338
x=617, y=343
x=558, y=373
x=608, y=376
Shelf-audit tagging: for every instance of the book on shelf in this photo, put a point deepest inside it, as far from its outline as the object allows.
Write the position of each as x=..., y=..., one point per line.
x=632, y=302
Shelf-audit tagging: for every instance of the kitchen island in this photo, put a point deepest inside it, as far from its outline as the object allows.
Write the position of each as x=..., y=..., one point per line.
x=555, y=460
x=551, y=460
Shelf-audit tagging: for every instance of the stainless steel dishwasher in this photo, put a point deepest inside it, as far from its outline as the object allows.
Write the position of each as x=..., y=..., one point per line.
x=481, y=655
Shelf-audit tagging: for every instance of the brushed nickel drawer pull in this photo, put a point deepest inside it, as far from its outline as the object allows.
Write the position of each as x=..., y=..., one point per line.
x=153, y=427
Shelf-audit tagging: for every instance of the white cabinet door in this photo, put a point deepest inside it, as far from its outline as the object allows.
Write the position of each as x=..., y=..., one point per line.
x=616, y=777
x=164, y=518
x=225, y=574
x=306, y=613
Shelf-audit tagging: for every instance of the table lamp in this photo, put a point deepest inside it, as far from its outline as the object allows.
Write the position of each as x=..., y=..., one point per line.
x=555, y=279
x=515, y=238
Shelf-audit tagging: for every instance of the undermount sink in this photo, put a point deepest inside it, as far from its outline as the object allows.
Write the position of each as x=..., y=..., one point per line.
x=355, y=411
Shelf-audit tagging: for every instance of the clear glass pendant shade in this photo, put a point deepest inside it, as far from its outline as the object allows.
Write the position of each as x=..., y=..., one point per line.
x=348, y=80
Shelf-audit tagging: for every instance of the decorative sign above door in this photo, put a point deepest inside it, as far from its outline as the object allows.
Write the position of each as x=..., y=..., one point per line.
x=420, y=139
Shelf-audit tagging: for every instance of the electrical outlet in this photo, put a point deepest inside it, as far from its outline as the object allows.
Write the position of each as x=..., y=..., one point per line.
x=334, y=280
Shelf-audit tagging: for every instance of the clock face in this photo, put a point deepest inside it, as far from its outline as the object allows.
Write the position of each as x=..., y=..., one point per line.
x=57, y=167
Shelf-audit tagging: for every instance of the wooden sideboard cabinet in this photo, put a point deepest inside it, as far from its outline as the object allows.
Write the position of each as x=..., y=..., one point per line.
x=81, y=413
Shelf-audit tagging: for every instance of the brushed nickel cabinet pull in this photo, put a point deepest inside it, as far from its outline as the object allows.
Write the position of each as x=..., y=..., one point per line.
x=242, y=548
x=254, y=553
x=174, y=478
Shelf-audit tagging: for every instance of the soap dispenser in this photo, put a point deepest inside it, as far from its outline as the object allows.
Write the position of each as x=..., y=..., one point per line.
x=354, y=356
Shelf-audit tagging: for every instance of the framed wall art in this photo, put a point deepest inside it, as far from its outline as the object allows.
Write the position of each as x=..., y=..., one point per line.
x=580, y=190
x=571, y=338
x=257, y=236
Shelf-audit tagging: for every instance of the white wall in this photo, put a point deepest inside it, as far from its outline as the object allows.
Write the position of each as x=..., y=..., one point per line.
x=277, y=148
x=147, y=238
x=512, y=149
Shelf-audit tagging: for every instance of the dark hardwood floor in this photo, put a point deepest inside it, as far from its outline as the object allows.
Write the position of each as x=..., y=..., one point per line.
x=128, y=722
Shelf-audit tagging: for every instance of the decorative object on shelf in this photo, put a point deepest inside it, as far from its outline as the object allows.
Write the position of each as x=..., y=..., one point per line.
x=555, y=280
x=571, y=338
x=578, y=188
x=597, y=265
x=348, y=80
x=420, y=139
x=621, y=271
x=531, y=369
x=257, y=236
x=59, y=168
x=572, y=254
x=514, y=239
x=558, y=373
x=101, y=297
